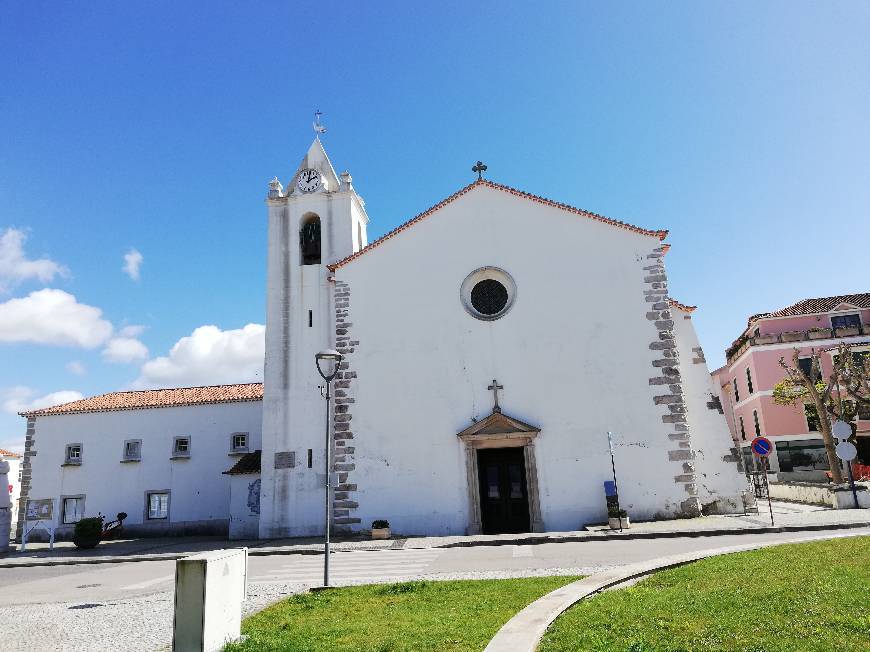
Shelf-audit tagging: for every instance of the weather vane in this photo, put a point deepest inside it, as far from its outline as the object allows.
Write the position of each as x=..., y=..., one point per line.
x=480, y=168
x=318, y=128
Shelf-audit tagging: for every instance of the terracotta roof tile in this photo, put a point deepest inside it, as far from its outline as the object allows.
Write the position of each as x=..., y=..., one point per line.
x=6, y=453
x=682, y=306
x=815, y=306
x=247, y=463
x=157, y=398
x=660, y=234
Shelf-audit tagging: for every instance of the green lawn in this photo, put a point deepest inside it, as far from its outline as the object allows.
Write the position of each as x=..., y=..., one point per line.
x=812, y=596
x=455, y=616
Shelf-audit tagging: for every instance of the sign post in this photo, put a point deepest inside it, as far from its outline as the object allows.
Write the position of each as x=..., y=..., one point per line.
x=38, y=511
x=614, y=495
x=847, y=452
x=762, y=447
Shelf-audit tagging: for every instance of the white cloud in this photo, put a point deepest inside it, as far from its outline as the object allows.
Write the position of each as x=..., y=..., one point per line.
x=125, y=349
x=53, y=317
x=76, y=367
x=131, y=331
x=21, y=399
x=132, y=263
x=15, y=267
x=209, y=356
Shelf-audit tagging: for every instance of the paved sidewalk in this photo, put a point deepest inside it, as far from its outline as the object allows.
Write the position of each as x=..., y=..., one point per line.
x=788, y=517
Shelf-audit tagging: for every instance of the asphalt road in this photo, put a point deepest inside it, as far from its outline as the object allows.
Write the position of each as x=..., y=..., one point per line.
x=112, y=582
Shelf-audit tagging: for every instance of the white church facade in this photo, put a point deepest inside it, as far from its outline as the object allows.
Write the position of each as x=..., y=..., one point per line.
x=489, y=344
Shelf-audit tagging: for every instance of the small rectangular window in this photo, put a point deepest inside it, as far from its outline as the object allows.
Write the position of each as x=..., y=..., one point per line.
x=864, y=411
x=812, y=416
x=806, y=366
x=742, y=430
x=757, y=425
x=157, y=505
x=310, y=318
x=749, y=380
x=239, y=443
x=73, y=454
x=132, y=450
x=181, y=447
x=846, y=321
x=736, y=392
x=73, y=509
x=310, y=458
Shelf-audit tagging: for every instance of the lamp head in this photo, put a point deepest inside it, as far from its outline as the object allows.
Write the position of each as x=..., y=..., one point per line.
x=328, y=355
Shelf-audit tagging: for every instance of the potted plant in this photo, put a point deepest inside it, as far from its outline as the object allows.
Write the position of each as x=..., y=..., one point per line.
x=614, y=516
x=87, y=532
x=380, y=529
x=792, y=336
x=817, y=333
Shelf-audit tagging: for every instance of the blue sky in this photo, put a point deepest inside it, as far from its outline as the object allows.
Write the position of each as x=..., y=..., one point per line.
x=155, y=127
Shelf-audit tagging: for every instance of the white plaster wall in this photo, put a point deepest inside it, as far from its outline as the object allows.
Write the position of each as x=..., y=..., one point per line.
x=200, y=493
x=573, y=355
x=839, y=497
x=244, y=522
x=294, y=411
x=719, y=482
x=14, y=472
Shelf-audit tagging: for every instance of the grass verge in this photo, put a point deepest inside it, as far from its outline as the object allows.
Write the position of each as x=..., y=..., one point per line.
x=810, y=596
x=455, y=616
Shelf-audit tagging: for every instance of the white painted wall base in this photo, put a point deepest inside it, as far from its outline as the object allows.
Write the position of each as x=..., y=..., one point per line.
x=838, y=497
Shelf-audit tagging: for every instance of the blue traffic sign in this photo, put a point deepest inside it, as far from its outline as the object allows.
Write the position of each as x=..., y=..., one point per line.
x=761, y=446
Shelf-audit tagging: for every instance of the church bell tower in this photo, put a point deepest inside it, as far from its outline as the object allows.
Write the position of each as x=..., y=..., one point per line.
x=318, y=219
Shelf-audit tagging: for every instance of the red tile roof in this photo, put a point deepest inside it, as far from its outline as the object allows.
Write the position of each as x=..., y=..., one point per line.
x=6, y=453
x=659, y=233
x=682, y=306
x=247, y=463
x=157, y=398
x=815, y=306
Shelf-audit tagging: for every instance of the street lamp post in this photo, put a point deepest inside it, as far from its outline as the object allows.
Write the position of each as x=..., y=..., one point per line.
x=335, y=358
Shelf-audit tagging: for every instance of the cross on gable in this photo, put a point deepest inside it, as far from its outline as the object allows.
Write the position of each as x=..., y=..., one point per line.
x=495, y=387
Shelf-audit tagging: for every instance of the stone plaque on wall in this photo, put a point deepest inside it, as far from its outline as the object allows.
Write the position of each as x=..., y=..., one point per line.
x=285, y=460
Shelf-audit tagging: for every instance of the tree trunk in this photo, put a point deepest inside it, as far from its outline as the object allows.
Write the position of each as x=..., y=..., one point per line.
x=827, y=437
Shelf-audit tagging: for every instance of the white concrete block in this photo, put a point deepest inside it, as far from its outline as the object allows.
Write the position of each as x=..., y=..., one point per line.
x=209, y=590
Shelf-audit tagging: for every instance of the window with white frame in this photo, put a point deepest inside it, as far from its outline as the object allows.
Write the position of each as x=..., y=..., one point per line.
x=846, y=321
x=72, y=509
x=132, y=450
x=157, y=505
x=239, y=442
x=73, y=454
x=181, y=447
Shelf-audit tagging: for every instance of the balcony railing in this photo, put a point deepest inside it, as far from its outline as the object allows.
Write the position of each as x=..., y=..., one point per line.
x=739, y=347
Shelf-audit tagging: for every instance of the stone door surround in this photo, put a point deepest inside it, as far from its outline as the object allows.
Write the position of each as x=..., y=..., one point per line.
x=500, y=431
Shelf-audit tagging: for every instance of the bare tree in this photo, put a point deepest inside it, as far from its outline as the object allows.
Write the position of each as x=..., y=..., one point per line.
x=801, y=386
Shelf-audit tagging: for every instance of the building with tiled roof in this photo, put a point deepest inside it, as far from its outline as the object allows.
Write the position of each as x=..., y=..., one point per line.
x=745, y=383
x=487, y=346
x=156, y=398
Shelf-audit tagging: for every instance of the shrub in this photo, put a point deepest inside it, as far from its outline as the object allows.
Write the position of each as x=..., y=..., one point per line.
x=380, y=524
x=87, y=532
x=616, y=513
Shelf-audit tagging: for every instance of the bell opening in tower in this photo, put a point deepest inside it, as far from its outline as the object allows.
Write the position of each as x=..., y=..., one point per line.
x=309, y=240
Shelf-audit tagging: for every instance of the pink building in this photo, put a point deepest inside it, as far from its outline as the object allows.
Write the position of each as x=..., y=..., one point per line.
x=746, y=382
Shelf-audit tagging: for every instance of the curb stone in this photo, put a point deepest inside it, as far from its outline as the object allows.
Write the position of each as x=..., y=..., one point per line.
x=520, y=541
x=524, y=631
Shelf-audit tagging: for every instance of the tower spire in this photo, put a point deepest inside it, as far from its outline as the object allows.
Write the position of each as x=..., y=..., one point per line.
x=318, y=128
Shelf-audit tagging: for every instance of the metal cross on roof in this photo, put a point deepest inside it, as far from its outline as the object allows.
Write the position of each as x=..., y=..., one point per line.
x=318, y=128
x=495, y=387
x=480, y=168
